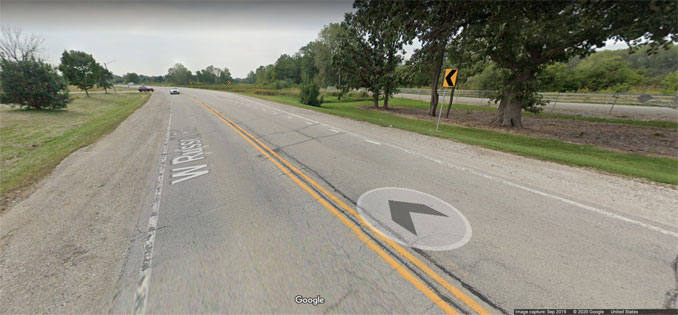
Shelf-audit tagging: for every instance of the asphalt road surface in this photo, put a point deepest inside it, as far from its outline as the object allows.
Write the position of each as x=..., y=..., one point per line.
x=596, y=110
x=217, y=202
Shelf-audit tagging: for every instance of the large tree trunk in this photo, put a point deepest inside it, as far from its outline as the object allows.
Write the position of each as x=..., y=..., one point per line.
x=509, y=111
x=447, y=114
x=389, y=84
x=86, y=93
x=437, y=68
x=375, y=94
x=434, y=89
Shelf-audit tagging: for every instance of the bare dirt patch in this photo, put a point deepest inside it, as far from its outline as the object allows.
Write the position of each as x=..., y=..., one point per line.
x=646, y=140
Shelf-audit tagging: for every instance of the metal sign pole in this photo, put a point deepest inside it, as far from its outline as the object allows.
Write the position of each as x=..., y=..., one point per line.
x=440, y=113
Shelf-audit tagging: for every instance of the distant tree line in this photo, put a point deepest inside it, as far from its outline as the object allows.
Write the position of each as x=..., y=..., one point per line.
x=180, y=75
x=514, y=48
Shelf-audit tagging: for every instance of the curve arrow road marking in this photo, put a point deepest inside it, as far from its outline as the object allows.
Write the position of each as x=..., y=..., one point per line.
x=436, y=225
x=401, y=213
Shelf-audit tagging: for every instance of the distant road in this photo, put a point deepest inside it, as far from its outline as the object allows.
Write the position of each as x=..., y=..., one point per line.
x=212, y=202
x=598, y=110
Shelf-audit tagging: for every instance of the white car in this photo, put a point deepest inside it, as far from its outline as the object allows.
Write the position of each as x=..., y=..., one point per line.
x=174, y=91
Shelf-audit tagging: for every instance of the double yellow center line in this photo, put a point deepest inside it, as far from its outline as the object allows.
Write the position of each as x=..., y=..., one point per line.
x=270, y=154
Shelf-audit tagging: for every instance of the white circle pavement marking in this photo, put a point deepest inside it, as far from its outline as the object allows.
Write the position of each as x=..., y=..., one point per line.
x=415, y=219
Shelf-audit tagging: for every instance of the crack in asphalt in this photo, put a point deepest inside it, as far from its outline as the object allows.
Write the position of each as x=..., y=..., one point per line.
x=413, y=269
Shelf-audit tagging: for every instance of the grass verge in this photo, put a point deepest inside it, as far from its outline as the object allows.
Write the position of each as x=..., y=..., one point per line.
x=33, y=142
x=658, y=169
x=251, y=89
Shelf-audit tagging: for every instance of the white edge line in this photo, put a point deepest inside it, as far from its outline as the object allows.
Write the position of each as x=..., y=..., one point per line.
x=373, y=142
x=509, y=183
x=538, y=192
x=141, y=296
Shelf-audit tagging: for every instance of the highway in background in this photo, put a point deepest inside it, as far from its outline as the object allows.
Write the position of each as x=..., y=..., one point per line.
x=639, y=112
x=249, y=204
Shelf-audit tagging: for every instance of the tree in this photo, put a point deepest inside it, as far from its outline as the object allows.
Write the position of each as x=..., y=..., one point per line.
x=15, y=46
x=251, y=78
x=357, y=57
x=79, y=68
x=260, y=75
x=439, y=22
x=525, y=36
x=286, y=68
x=393, y=30
x=32, y=83
x=179, y=74
x=209, y=75
x=307, y=69
x=369, y=46
x=225, y=76
x=325, y=48
x=132, y=78
x=104, y=78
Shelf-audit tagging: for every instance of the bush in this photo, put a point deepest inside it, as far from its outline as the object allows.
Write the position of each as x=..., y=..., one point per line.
x=336, y=93
x=281, y=84
x=670, y=83
x=357, y=95
x=309, y=95
x=34, y=84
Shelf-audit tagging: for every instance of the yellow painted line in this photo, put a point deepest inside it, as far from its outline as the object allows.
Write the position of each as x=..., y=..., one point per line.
x=392, y=262
x=454, y=290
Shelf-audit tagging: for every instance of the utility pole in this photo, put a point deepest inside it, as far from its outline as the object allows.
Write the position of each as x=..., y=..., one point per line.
x=105, y=66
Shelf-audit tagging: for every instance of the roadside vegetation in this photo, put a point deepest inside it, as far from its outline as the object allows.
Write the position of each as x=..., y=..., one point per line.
x=33, y=142
x=654, y=168
x=40, y=121
x=496, y=46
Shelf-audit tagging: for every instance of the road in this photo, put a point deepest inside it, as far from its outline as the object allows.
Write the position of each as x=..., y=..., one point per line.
x=217, y=202
x=595, y=110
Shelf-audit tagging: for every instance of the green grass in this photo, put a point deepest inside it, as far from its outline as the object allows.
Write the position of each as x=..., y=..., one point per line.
x=658, y=169
x=253, y=89
x=33, y=142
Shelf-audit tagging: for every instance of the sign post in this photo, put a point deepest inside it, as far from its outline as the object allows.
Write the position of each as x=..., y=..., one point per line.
x=450, y=81
x=440, y=111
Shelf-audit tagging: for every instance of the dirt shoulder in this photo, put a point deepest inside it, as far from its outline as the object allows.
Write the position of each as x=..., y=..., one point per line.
x=62, y=249
x=646, y=140
x=34, y=142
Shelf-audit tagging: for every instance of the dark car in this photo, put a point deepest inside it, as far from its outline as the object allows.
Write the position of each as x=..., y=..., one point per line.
x=145, y=89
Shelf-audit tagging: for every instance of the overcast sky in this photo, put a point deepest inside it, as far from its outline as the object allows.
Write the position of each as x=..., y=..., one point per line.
x=147, y=37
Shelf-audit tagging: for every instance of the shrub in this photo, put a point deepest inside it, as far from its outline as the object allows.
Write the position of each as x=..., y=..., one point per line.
x=309, y=95
x=32, y=83
x=281, y=84
x=670, y=83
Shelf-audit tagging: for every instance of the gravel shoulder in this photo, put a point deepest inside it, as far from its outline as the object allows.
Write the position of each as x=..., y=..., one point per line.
x=62, y=249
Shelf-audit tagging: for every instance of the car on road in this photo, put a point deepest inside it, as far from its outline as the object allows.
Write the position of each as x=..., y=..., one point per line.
x=145, y=89
x=174, y=91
